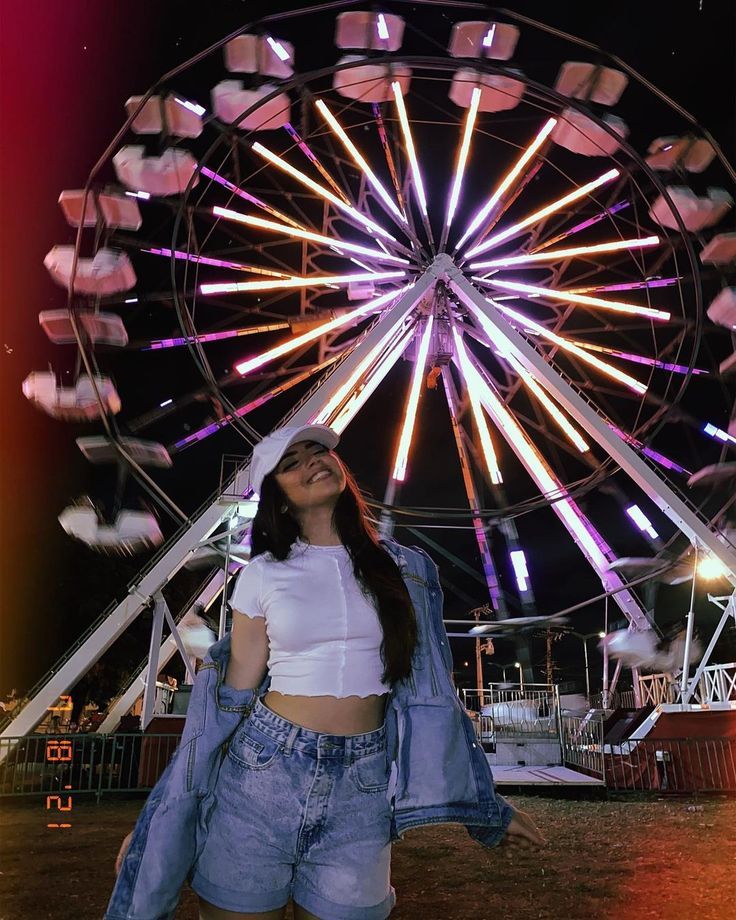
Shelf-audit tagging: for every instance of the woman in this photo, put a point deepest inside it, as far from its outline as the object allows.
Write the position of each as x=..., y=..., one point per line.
x=301, y=806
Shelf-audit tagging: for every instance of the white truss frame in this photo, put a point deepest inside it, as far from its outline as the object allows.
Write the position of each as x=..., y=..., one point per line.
x=171, y=561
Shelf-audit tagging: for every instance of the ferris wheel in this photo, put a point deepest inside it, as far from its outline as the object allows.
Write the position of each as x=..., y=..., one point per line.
x=417, y=199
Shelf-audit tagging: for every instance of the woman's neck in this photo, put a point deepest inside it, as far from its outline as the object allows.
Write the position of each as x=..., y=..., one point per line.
x=317, y=527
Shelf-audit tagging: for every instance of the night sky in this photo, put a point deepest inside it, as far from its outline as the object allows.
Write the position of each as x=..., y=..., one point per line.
x=65, y=72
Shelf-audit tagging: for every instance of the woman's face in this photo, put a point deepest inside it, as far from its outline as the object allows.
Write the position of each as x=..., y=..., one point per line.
x=310, y=475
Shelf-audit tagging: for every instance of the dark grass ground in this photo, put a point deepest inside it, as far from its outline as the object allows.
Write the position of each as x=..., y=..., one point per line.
x=630, y=857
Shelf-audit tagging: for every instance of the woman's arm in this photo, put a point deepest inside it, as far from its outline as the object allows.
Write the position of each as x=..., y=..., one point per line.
x=248, y=652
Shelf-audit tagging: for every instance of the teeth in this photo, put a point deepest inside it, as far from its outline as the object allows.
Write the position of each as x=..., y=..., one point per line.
x=320, y=475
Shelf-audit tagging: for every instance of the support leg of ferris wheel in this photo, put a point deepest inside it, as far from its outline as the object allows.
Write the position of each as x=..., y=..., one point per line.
x=663, y=495
x=728, y=606
x=175, y=554
x=498, y=601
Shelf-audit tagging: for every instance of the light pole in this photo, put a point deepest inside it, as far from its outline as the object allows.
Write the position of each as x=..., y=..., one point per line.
x=584, y=637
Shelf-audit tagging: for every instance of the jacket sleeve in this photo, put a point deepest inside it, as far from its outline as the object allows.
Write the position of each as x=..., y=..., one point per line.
x=491, y=836
x=487, y=836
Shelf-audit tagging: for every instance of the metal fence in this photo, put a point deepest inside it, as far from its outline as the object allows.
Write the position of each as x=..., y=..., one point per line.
x=498, y=712
x=677, y=765
x=674, y=765
x=581, y=740
x=90, y=763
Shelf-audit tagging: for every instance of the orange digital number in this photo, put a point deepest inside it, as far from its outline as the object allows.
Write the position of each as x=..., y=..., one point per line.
x=58, y=751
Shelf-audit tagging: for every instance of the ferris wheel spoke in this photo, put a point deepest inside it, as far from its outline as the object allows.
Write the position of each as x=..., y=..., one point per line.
x=506, y=184
x=460, y=164
x=335, y=243
x=538, y=215
x=367, y=223
x=251, y=405
x=615, y=306
x=417, y=183
x=389, y=204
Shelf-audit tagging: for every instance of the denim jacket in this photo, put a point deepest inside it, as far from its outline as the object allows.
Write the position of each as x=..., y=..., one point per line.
x=439, y=772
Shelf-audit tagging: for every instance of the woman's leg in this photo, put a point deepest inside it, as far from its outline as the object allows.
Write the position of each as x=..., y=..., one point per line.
x=210, y=912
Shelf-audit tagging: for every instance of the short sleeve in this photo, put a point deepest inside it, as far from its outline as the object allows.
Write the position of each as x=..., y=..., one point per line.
x=246, y=596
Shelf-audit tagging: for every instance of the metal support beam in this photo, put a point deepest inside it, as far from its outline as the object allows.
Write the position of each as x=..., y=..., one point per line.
x=175, y=554
x=667, y=500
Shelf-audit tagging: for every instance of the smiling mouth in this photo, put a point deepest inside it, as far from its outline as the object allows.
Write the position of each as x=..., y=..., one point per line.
x=322, y=474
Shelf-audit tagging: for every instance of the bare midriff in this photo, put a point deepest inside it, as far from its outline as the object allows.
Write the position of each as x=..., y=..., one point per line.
x=330, y=715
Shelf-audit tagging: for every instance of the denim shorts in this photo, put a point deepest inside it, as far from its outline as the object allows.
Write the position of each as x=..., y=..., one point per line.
x=299, y=814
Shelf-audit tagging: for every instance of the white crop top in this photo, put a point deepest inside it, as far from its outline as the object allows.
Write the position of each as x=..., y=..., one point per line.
x=323, y=631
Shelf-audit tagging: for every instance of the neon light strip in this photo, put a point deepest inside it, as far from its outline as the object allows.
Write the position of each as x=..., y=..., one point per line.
x=640, y=359
x=562, y=421
x=527, y=323
x=289, y=283
x=246, y=196
x=191, y=106
x=253, y=221
x=616, y=306
x=409, y=145
x=627, y=286
x=642, y=521
x=718, y=433
x=614, y=209
x=585, y=535
x=359, y=159
x=507, y=181
x=245, y=367
x=370, y=383
x=412, y=403
x=552, y=255
x=489, y=453
x=219, y=263
x=281, y=53
x=319, y=189
x=543, y=212
x=305, y=149
x=518, y=561
x=382, y=27
x=223, y=422
x=335, y=405
x=214, y=336
x=462, y=157
x=648, y=452
x=504, y=350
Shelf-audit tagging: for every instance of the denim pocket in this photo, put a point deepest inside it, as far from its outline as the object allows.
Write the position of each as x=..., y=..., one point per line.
x=252, y=748
x=371, y=772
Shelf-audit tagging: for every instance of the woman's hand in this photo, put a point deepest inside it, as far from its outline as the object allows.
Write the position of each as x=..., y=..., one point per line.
x=522, y=833
x=123, y=850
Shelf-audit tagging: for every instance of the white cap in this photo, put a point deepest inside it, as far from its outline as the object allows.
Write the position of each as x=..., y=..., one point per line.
x=271, y=449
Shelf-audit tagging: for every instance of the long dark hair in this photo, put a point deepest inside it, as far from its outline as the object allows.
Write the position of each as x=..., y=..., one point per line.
x=374, y=568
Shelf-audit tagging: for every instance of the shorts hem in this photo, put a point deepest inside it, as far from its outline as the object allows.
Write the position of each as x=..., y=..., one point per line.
x=328, y=910
x=244, y=902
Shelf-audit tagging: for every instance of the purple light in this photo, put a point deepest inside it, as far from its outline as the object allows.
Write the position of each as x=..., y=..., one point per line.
x=630, y=285
x=614, y=209
x=718, y=433
x=641, y=359
x=246, y=196
x=213, y=336
x=648, y=452
x=218, y=263
x=642, y=521
x=518, y=560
